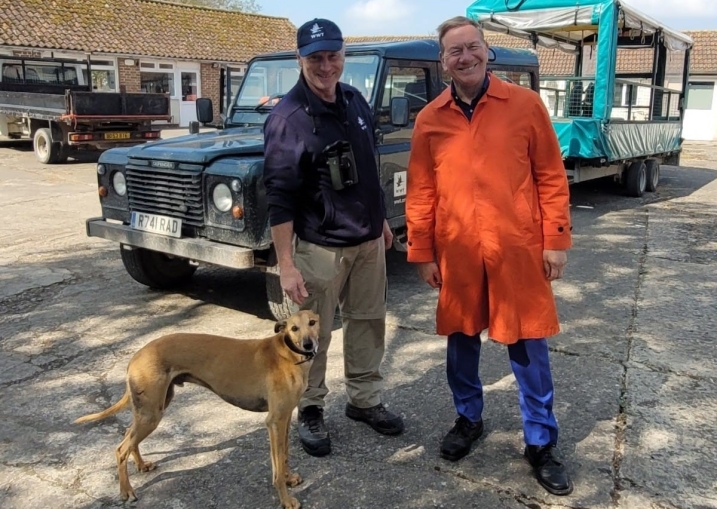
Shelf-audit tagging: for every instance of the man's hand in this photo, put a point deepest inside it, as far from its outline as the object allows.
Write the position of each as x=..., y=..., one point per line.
x=554, y=263
x=292, y=282
x=387, y=235
x=430, y=273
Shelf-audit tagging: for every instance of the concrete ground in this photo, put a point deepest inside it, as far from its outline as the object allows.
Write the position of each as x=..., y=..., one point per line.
x=636, y=394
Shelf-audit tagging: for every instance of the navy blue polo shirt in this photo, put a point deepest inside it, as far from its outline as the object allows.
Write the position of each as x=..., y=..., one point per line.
x=468, y=109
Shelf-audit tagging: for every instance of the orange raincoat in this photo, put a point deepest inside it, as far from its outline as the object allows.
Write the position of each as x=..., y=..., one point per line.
x=484, y=198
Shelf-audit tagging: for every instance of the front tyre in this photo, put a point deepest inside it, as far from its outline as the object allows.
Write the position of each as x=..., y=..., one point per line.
x=154, y=269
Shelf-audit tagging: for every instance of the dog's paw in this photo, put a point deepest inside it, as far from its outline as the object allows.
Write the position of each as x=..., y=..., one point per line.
x=146, y=466
x=292, y=503
x=293, y=480
x=131, y=495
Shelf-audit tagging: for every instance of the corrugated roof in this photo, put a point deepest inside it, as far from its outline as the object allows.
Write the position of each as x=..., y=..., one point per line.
x=143, y=28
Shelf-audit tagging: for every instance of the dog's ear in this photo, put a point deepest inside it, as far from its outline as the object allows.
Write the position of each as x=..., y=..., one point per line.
x=280, y=326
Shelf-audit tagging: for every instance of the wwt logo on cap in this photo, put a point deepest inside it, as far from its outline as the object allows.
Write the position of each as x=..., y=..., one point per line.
x=316, y=31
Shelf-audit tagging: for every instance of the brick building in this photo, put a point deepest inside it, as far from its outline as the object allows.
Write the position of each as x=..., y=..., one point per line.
x=146, y=45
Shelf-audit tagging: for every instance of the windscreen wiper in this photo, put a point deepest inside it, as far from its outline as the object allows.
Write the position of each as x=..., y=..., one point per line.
x=268, y=100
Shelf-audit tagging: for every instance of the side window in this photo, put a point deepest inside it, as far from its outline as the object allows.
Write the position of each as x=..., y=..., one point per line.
x=516, y=78
x=11, y=73
x=409, y=82
x=40, y=74
x=521, y=78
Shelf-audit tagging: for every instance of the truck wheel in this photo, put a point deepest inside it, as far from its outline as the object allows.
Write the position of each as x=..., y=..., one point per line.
x=46, y=151
x=154, y=269
x=652, y=172
x=636, y=179
x=280, y=305
x=62, y=154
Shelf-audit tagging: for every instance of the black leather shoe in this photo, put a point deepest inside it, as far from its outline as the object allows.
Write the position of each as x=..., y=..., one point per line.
x=313, y=434
x=457, y=443
x=380, y=419
x=549, y=469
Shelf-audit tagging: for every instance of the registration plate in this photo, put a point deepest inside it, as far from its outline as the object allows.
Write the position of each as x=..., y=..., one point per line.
x=163, y=225
x=117, y=136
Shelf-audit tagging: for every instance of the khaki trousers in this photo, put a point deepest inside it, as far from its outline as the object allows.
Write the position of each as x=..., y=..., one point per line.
x=355, y=279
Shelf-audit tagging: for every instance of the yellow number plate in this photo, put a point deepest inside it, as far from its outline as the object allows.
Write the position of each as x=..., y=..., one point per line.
x=117, y=136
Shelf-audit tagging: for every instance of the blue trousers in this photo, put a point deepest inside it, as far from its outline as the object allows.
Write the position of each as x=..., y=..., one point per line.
x=531, y=367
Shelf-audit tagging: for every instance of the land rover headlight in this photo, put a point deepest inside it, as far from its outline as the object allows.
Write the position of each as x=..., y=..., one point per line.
x=119, y=183
x=222, y=197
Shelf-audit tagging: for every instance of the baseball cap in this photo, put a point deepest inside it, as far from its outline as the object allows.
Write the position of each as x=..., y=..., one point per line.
x=318, y=35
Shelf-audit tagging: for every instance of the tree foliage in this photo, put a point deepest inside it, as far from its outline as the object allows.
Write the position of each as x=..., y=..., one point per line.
x=251, y=6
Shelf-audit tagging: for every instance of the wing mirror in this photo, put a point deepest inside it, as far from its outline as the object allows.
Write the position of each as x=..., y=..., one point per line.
x=205, y=111
x=400, y=109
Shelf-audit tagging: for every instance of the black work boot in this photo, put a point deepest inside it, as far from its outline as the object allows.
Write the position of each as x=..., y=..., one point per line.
x=313, y=434
x=549, y=469
x=380, y=419
x=457, y=443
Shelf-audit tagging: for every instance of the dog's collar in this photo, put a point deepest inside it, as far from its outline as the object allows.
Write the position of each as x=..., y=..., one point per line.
x=309, y=354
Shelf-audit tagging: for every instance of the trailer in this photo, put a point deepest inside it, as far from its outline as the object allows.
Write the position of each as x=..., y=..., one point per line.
x=609, y=122
x=50, y=101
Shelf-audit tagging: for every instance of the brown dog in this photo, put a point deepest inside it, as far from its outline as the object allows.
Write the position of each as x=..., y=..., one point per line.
x=260, y=375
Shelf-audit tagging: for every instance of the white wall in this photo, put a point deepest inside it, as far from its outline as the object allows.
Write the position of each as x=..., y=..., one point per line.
x=701, y=124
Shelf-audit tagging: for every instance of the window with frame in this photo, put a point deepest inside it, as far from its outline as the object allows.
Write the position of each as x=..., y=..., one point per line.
x=103, y=76
x=519, y=78
x=700, y=95
x=157, y=78
x=235, y=76
x=409, y=82
x=40, y=74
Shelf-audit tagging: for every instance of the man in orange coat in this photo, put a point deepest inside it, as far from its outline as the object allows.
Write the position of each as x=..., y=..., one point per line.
x=488, y=218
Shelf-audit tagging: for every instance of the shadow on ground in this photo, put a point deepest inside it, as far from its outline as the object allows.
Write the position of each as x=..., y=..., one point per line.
x=65, y=348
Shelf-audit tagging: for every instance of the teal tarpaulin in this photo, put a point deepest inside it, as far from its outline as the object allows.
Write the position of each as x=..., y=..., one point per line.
x=560, y=23
x=563, y=24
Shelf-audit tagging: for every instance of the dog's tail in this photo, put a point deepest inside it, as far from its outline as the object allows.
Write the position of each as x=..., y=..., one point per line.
x=106, y=413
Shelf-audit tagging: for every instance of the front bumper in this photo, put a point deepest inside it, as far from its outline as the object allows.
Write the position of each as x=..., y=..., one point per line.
x=198, y=250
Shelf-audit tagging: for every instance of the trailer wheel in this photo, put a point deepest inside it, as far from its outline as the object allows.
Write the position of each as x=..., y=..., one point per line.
x=652, y=170
x=46, y=151
x=636, y=179
x=280, y=304
x=154, y=269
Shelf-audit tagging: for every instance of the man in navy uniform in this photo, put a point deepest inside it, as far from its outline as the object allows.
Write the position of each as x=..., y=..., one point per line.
x=328, y=226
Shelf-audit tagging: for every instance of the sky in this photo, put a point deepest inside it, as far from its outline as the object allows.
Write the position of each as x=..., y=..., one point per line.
x=421, y=17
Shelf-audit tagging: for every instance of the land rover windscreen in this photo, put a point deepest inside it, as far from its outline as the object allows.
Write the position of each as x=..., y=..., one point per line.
x=268, y=80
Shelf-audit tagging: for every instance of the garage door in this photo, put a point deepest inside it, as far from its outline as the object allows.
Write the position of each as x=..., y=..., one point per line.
x=700, y=114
